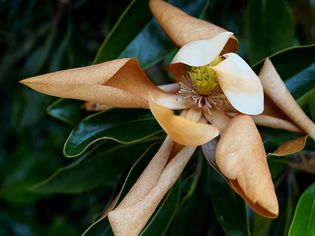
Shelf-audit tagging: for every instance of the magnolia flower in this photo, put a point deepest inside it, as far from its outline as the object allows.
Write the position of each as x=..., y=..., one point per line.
x=218, y=95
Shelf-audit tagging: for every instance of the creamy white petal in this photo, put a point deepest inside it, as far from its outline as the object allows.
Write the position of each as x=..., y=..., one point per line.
x=169, y=88
x=240, y=84
x=202, y=52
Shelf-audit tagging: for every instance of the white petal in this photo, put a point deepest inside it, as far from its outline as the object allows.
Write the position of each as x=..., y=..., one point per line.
x=240, y=84
x=202, y=52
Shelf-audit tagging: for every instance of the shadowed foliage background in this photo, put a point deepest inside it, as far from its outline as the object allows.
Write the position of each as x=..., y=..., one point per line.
x=43, y=36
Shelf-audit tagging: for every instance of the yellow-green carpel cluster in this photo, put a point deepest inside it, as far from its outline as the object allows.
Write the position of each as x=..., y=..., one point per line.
x=203, y=78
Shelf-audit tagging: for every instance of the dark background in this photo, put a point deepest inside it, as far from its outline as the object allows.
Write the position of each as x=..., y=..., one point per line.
x=42, y=36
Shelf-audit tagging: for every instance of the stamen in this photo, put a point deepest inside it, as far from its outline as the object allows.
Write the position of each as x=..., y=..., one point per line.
x=213, y=99
x=206, y=102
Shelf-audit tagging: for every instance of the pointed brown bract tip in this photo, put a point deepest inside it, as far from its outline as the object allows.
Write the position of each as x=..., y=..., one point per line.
x=23, y=81
x=26, y=82
x=32, y=83
x=268, y=209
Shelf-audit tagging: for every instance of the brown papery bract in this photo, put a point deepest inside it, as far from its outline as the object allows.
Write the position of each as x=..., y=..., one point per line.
x=135, y=210
x=183, y=29
x=275, y=88
x=275, y=123
x=241, y=157
x=117, y=83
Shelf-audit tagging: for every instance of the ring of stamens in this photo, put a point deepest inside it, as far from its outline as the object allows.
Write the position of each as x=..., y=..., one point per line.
x=215, y=100
x=208, y=96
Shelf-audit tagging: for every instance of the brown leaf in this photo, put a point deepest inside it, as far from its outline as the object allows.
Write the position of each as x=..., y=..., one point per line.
x=291, y=147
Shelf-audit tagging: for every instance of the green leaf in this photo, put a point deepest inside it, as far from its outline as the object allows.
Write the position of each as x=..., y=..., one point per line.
x=192, y=210
x=157, y=44
x=122, y=125
x=164, y=214
x=102, y=227
x=277, y=165
x=261, y=225
x=269, y=27
x=304, y=101
x=102, y=168
x=66, y=110
x=191, y=216
x=302, y=82
x=290, y=61
x=287, y=193
x=229, y=208
x=130, y=23
x=304, y=217
x=312, y=104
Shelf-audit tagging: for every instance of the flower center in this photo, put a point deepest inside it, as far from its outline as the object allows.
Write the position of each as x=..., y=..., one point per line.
x=203, y=78
x=201, y=86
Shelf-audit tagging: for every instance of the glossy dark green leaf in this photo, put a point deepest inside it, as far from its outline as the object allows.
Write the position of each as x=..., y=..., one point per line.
x=303, y=222
x=130, y=23
x=261, y=226
x=287, y=193
x=66, y=110
x=190, y=217
x=101, y=168
x=277, y=165
x=192, y=211
x=160, y=221
x=290, y=61
x=157, y=44
x=269, y=27
x=122, y=125
x=229, y=208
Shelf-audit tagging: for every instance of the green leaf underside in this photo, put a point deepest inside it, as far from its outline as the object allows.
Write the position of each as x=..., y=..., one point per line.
x=267, y=34
x=101, y=168
x=229, y=208
x=66, y=110
x=122, y=125
x=303, y=222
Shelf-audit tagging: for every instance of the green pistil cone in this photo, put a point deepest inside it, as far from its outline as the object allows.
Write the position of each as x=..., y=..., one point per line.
x=203, y=77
